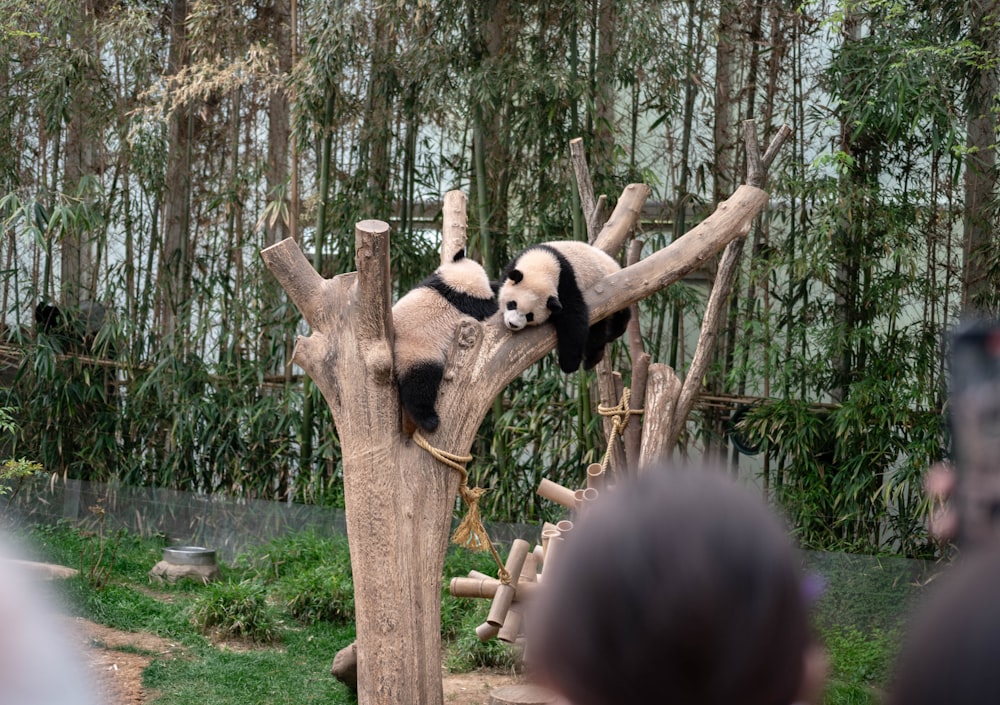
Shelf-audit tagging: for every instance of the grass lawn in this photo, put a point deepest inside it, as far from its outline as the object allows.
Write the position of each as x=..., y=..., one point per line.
x=268, y=630
x=265, y=633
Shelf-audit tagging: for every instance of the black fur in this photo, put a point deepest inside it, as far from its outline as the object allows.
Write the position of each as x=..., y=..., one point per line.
x=469, y=305
x=571, y=319
x=576, y=343
x=603, y=332
x=418, y=390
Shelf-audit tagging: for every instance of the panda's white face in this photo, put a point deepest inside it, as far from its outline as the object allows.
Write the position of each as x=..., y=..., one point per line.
x=520, y=313
x=529, y=294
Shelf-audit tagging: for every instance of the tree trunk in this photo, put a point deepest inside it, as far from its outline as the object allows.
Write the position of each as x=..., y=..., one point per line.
x=979, y=215
x=604, y=93
x=723, y=181
x=78, y=245
x=174, y=253
x=723, y=131
x=399, y=499
x=845, y=240
x=278, y=125
x=383, y=87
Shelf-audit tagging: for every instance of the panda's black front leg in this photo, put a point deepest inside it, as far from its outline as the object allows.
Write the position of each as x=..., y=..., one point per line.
x=418, y=390
x=571, y=339
x=596, y=339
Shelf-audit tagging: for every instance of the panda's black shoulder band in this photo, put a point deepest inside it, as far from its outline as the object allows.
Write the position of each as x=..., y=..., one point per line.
x=478, y=308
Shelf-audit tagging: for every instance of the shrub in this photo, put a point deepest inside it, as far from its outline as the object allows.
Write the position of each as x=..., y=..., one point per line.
x=237, y=610
x=321, y=593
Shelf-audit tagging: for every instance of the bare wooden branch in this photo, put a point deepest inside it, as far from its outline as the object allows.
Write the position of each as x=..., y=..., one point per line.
x=725, y=277
x=623, y=219
x=374, y=296
x=732, y=219
x=712, y=320
x=784, y=132
x=640, y=367
x=303, y=284
x=600, y=216
x=662, y=388
x=755, y=170
x=633, y=432
x=584, y=186
x=454, y=225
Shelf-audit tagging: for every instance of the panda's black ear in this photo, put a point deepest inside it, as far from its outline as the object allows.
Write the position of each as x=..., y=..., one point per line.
x=515, y=275
x=459, y=256
x=554, y=304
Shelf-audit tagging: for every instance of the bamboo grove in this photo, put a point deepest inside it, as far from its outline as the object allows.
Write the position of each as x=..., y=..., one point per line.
x=150, y=150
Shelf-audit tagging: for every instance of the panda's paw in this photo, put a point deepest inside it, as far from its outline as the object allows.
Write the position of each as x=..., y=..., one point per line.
x=429, y=422
x=593, y=358
x=569, y=363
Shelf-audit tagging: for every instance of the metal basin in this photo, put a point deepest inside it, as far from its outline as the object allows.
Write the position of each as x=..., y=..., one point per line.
x=189, y=555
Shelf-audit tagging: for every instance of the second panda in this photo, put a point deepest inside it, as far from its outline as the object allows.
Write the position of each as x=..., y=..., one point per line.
x=546, y=283
x=425, y=320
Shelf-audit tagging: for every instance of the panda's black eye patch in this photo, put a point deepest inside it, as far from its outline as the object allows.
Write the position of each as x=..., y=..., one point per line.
x=511, y=305
x=530, y=317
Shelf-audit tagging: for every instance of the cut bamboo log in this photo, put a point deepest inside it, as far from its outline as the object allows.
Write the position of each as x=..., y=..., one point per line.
x=505, y=593
x=555, y=492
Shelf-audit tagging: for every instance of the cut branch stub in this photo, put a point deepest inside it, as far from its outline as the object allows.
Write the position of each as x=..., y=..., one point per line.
x=374, y=283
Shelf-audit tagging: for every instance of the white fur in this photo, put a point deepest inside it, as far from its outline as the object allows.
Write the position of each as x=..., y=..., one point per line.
x=541, y=280
x=425, y=322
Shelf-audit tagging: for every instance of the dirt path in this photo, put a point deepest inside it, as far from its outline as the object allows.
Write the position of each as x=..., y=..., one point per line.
x=118, y=673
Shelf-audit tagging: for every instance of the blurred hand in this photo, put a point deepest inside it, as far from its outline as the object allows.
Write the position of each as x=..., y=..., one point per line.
x=815, y=673
x=939, y=483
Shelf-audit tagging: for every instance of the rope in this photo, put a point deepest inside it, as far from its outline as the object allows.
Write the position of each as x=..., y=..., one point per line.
x=470, y=532
x=620, y=415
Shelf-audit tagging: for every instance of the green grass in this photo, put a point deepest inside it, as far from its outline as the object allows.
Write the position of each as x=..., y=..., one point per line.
x=296, y=596
x=293, y=666
x=860, y=664
x=298, y=672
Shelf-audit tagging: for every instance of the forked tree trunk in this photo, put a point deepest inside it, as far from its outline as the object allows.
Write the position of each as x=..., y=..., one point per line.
x=399, y=499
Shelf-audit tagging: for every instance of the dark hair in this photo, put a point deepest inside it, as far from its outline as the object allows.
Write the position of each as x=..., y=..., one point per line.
x=951, y=647
x=677, y=587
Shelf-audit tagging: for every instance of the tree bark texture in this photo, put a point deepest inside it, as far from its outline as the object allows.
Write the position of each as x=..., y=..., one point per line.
x=174, y=253
x=83, y=140
x=978, y=291
x=399, y=499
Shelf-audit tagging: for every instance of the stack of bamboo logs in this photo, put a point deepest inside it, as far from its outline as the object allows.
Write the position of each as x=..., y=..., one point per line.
x=524, y=568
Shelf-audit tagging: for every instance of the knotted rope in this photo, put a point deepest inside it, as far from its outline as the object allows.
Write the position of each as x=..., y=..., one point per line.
x=470, y=532
x=620, y=416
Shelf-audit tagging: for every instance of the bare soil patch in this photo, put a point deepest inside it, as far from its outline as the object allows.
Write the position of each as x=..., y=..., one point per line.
x=117, y=659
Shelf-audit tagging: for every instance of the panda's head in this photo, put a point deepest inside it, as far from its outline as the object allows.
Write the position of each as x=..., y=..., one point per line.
x=529, y=293
x=465, y=276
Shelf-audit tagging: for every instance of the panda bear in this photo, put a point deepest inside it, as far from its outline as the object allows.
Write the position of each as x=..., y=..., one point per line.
x=425, y=320
x=546, y=283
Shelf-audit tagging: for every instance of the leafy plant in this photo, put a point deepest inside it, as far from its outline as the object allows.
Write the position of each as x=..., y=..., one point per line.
x=13, y=472
x=236, y=609
x=321, y=593
x=97, y=556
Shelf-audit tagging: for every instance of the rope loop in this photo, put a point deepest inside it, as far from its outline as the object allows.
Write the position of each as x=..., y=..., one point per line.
x=620, y=415
x=470, y=532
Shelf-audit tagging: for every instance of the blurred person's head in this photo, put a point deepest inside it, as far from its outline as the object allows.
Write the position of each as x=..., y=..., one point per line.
x=952, y=645
x=676, y=587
